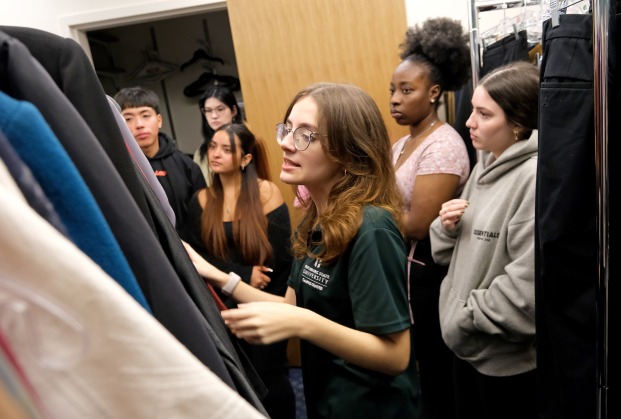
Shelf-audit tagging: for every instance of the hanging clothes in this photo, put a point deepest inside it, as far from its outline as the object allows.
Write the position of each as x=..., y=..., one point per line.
x=82, y=358
x=512, y=46
x=37, y=146
x=170, y=283
x=67, y=64
x=612, y=311
x=509, y=49
x=30, y=188
x=141, y=161
x=566, y=231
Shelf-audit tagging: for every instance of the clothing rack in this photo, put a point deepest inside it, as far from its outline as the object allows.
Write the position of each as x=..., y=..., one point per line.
x=474, y=8
x=602, y=21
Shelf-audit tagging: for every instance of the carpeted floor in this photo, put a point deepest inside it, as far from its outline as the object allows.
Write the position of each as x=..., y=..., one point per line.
x=295, y=375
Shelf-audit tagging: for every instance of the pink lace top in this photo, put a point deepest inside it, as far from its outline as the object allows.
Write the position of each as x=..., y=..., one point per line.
x=443, y=151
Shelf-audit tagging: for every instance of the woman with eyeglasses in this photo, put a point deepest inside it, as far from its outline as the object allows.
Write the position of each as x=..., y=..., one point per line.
x=241, y=224
x=347, y=295
x=218, y=107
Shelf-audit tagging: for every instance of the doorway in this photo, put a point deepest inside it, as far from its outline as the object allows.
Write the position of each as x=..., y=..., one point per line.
x=177, y=57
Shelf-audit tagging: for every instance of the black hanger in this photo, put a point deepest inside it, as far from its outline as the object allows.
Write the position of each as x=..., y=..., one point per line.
x=231, y=82
x=199, y=86
x=200, y=54
x=194, y=88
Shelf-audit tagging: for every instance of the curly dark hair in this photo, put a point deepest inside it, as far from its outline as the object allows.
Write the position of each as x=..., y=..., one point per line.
x=442, y=45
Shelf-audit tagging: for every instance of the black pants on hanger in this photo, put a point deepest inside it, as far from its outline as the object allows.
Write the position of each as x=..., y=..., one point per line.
x=565, y=219
x=505, y=51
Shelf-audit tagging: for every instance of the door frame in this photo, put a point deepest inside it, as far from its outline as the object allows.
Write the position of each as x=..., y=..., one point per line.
x=76, y=26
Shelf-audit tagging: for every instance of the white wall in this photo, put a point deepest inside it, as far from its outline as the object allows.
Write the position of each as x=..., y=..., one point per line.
x=72, y=18
x=419, y=10
x=55, y=15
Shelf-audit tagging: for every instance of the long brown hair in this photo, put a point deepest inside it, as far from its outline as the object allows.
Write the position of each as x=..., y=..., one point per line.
x=249, y=229
x=356, y=139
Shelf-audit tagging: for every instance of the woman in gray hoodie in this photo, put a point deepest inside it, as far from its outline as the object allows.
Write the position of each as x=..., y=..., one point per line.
x=487, y=236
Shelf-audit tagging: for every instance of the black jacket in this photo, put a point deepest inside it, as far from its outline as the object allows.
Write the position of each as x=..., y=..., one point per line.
x=180, y=177
x=173, y=288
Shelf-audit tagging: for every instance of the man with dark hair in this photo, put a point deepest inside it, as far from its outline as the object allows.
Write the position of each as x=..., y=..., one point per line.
x=179, y=175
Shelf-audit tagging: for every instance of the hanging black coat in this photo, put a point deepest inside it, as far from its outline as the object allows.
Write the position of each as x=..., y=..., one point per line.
x=23, y=77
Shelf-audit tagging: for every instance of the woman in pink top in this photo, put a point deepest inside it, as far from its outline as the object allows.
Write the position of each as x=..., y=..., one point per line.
x=431, y=166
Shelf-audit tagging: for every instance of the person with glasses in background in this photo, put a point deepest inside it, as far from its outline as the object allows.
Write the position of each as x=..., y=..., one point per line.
x=241, y=224
x=218, y=107
x=347, y=294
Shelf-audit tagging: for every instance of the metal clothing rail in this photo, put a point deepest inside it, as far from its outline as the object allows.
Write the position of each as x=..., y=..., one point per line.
x=476, y=6
x=475, y=53
x=601, y=23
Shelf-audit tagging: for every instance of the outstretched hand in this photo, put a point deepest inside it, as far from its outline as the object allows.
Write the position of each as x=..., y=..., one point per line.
x=209, y=272
x=264, y=322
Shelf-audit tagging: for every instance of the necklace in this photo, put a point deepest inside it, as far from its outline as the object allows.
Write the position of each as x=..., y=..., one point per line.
x=229, y=205
x=405, y=143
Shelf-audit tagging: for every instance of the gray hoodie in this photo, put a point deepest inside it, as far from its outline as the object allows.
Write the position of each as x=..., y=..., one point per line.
x=487, y=299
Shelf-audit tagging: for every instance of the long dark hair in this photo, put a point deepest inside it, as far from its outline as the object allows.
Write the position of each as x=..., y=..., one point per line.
x=249, y=221
x=224, y=95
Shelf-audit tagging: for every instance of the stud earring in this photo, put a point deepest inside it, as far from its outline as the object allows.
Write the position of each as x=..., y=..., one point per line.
x=516, y=135
x=433, y=101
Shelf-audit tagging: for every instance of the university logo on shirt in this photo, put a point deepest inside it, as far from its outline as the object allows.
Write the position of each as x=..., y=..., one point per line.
x=314, y=277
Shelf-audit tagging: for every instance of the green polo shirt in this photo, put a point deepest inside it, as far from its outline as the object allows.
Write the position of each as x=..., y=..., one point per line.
x=365, y=289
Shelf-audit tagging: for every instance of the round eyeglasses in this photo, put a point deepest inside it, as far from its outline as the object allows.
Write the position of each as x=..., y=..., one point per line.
x=302, y=136
x=219, y=110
